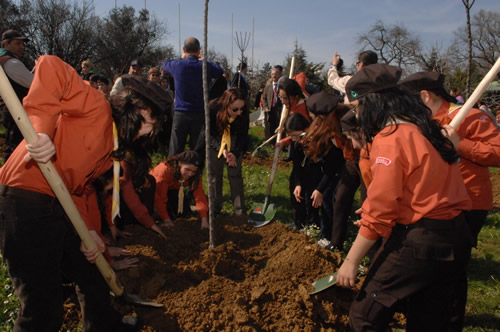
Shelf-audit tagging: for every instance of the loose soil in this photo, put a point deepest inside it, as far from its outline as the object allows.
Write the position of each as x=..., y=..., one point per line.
x=255, y=279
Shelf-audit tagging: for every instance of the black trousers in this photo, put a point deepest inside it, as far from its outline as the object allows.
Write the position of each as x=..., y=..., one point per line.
x=350, y=180
x=146, y=196
x=186, y=124
x=42, y=249
x=418, y=270
x=271, y=121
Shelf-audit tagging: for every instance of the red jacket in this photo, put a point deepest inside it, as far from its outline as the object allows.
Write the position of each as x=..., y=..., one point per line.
x=78, y=119
x=410, y=182
x=479, y=149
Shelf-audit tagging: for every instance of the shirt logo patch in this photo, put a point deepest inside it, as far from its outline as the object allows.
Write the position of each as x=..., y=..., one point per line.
x=383, y=160
x=484, y=117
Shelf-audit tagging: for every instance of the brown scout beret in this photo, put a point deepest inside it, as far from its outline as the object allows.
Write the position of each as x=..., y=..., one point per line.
x=322, y=103
x=149, y=90
x=372, y=78
x=424, y=80
x=349, y=122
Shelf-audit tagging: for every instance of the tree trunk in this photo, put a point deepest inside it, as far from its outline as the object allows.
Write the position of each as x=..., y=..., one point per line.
x=468, y=5
x=210, y=177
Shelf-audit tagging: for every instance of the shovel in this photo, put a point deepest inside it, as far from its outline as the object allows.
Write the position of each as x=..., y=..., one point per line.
x=265, y=142
x=49, y=171
x=263, y=213
x=324, y=283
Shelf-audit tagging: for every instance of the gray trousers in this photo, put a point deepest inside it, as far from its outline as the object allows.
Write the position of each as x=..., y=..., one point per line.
x=235, y=183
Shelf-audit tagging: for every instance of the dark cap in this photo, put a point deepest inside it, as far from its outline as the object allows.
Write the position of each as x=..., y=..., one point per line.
x=424, y=80
x=13, y=34
x=189, y=157
x=149, y=90
x=136, y=62
x=372, y=78
x=322, y=103
x=349, y=122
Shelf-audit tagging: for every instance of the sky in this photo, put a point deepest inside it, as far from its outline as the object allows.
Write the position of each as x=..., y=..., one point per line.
x=321, y=27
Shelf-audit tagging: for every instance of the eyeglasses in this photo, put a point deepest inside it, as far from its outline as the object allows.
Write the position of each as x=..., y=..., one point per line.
x=358, y=62
x=283, y=97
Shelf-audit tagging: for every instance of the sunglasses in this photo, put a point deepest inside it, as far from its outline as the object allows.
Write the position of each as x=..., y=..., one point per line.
x=236, y=109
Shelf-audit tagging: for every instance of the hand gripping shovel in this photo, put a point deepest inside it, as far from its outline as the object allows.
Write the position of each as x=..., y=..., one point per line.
x=49, y=171
x=263, y=214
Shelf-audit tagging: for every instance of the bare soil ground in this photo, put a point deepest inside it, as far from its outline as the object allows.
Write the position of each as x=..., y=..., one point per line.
x=255, y=279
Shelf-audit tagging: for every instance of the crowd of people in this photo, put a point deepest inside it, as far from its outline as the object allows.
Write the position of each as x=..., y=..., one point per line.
x=425, y=188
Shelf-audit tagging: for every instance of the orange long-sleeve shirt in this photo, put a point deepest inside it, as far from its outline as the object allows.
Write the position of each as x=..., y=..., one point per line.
x=410, y=182
x=479, y=148
x=165, y=181
x=78, y=119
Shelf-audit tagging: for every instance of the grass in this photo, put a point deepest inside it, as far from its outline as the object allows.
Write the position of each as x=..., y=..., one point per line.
x=483, y=307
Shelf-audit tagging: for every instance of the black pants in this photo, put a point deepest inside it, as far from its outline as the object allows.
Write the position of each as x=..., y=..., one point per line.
x=41, y=249
x=186, y=124
x=271, y=121
x=417, y=268
x=350, y=180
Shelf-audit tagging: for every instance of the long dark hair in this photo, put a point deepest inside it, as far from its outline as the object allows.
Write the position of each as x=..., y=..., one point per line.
x=126, y=108
x=134, y=150
x=221, y=104
x=379, y=109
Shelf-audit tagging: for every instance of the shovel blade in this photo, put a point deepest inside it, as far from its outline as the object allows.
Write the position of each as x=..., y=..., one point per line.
x=324, y=283
x=134, y=299
x=261, y=214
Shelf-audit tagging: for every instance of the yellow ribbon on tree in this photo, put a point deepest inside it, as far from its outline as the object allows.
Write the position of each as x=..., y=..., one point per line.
x=115, y=207
x=180, y=201
x=226, y=139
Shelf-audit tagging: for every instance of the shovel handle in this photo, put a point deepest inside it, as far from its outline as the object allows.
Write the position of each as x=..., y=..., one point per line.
x=50, y=173
x=462, y=113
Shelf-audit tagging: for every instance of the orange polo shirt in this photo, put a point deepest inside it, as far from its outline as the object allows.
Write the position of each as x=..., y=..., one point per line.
x=78, y=120
x=165, y=181
x=479, y=148
x=410, y=182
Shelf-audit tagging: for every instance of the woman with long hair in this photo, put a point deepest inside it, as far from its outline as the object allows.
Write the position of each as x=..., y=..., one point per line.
x=75, y=125
x=177, y=177
x=414, y=201
x=229, y=122
x=323, y=142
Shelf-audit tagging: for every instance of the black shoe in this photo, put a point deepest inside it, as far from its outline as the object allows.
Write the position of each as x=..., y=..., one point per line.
x=334, y=248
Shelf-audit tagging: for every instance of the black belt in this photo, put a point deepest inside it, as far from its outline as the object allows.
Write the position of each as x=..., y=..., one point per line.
x=25, y=194
x=435, y=224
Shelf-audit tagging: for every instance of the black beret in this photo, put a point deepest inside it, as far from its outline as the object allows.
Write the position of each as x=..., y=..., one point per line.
x=372, y=78
x=149, y=90
x=424, y=80
x=322, y=103
x=189, y=157
x=349, y=122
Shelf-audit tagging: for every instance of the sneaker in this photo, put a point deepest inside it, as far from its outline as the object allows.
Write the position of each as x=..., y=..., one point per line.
x=323, y=243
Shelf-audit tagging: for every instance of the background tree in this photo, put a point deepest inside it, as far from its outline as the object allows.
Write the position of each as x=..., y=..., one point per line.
x=394, y=44
x=125, y=36
x=311, y=69
x=219, y=58
x=468, y=5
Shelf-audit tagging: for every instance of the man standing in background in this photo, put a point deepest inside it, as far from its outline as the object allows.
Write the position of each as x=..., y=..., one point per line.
x=271, y=102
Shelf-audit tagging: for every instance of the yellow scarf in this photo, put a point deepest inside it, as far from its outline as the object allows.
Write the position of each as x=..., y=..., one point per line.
x=226, y=139
x=180, y=201
x=115, y=207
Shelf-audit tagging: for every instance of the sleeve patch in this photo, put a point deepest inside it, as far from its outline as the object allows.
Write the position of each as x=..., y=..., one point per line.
x=383, y=160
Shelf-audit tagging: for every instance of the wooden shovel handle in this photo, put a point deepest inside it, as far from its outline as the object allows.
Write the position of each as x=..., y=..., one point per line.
x=49, y=171
x=462, y=113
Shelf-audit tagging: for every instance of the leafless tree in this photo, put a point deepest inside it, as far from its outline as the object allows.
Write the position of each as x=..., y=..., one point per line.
x=394, y=44
x=468, y=5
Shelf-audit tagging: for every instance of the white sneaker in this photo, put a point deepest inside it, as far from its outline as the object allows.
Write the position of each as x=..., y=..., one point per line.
x=323, y=243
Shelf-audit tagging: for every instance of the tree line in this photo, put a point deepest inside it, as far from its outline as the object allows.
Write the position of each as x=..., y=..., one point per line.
x=72, y=31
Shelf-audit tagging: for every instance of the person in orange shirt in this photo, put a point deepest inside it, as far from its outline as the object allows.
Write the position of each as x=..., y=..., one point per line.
x=74, y=123
x=170, y=178
x=479, y=148
x=415, y=202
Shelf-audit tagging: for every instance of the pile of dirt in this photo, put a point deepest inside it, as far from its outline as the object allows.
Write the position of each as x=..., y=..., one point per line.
x=255, y=279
